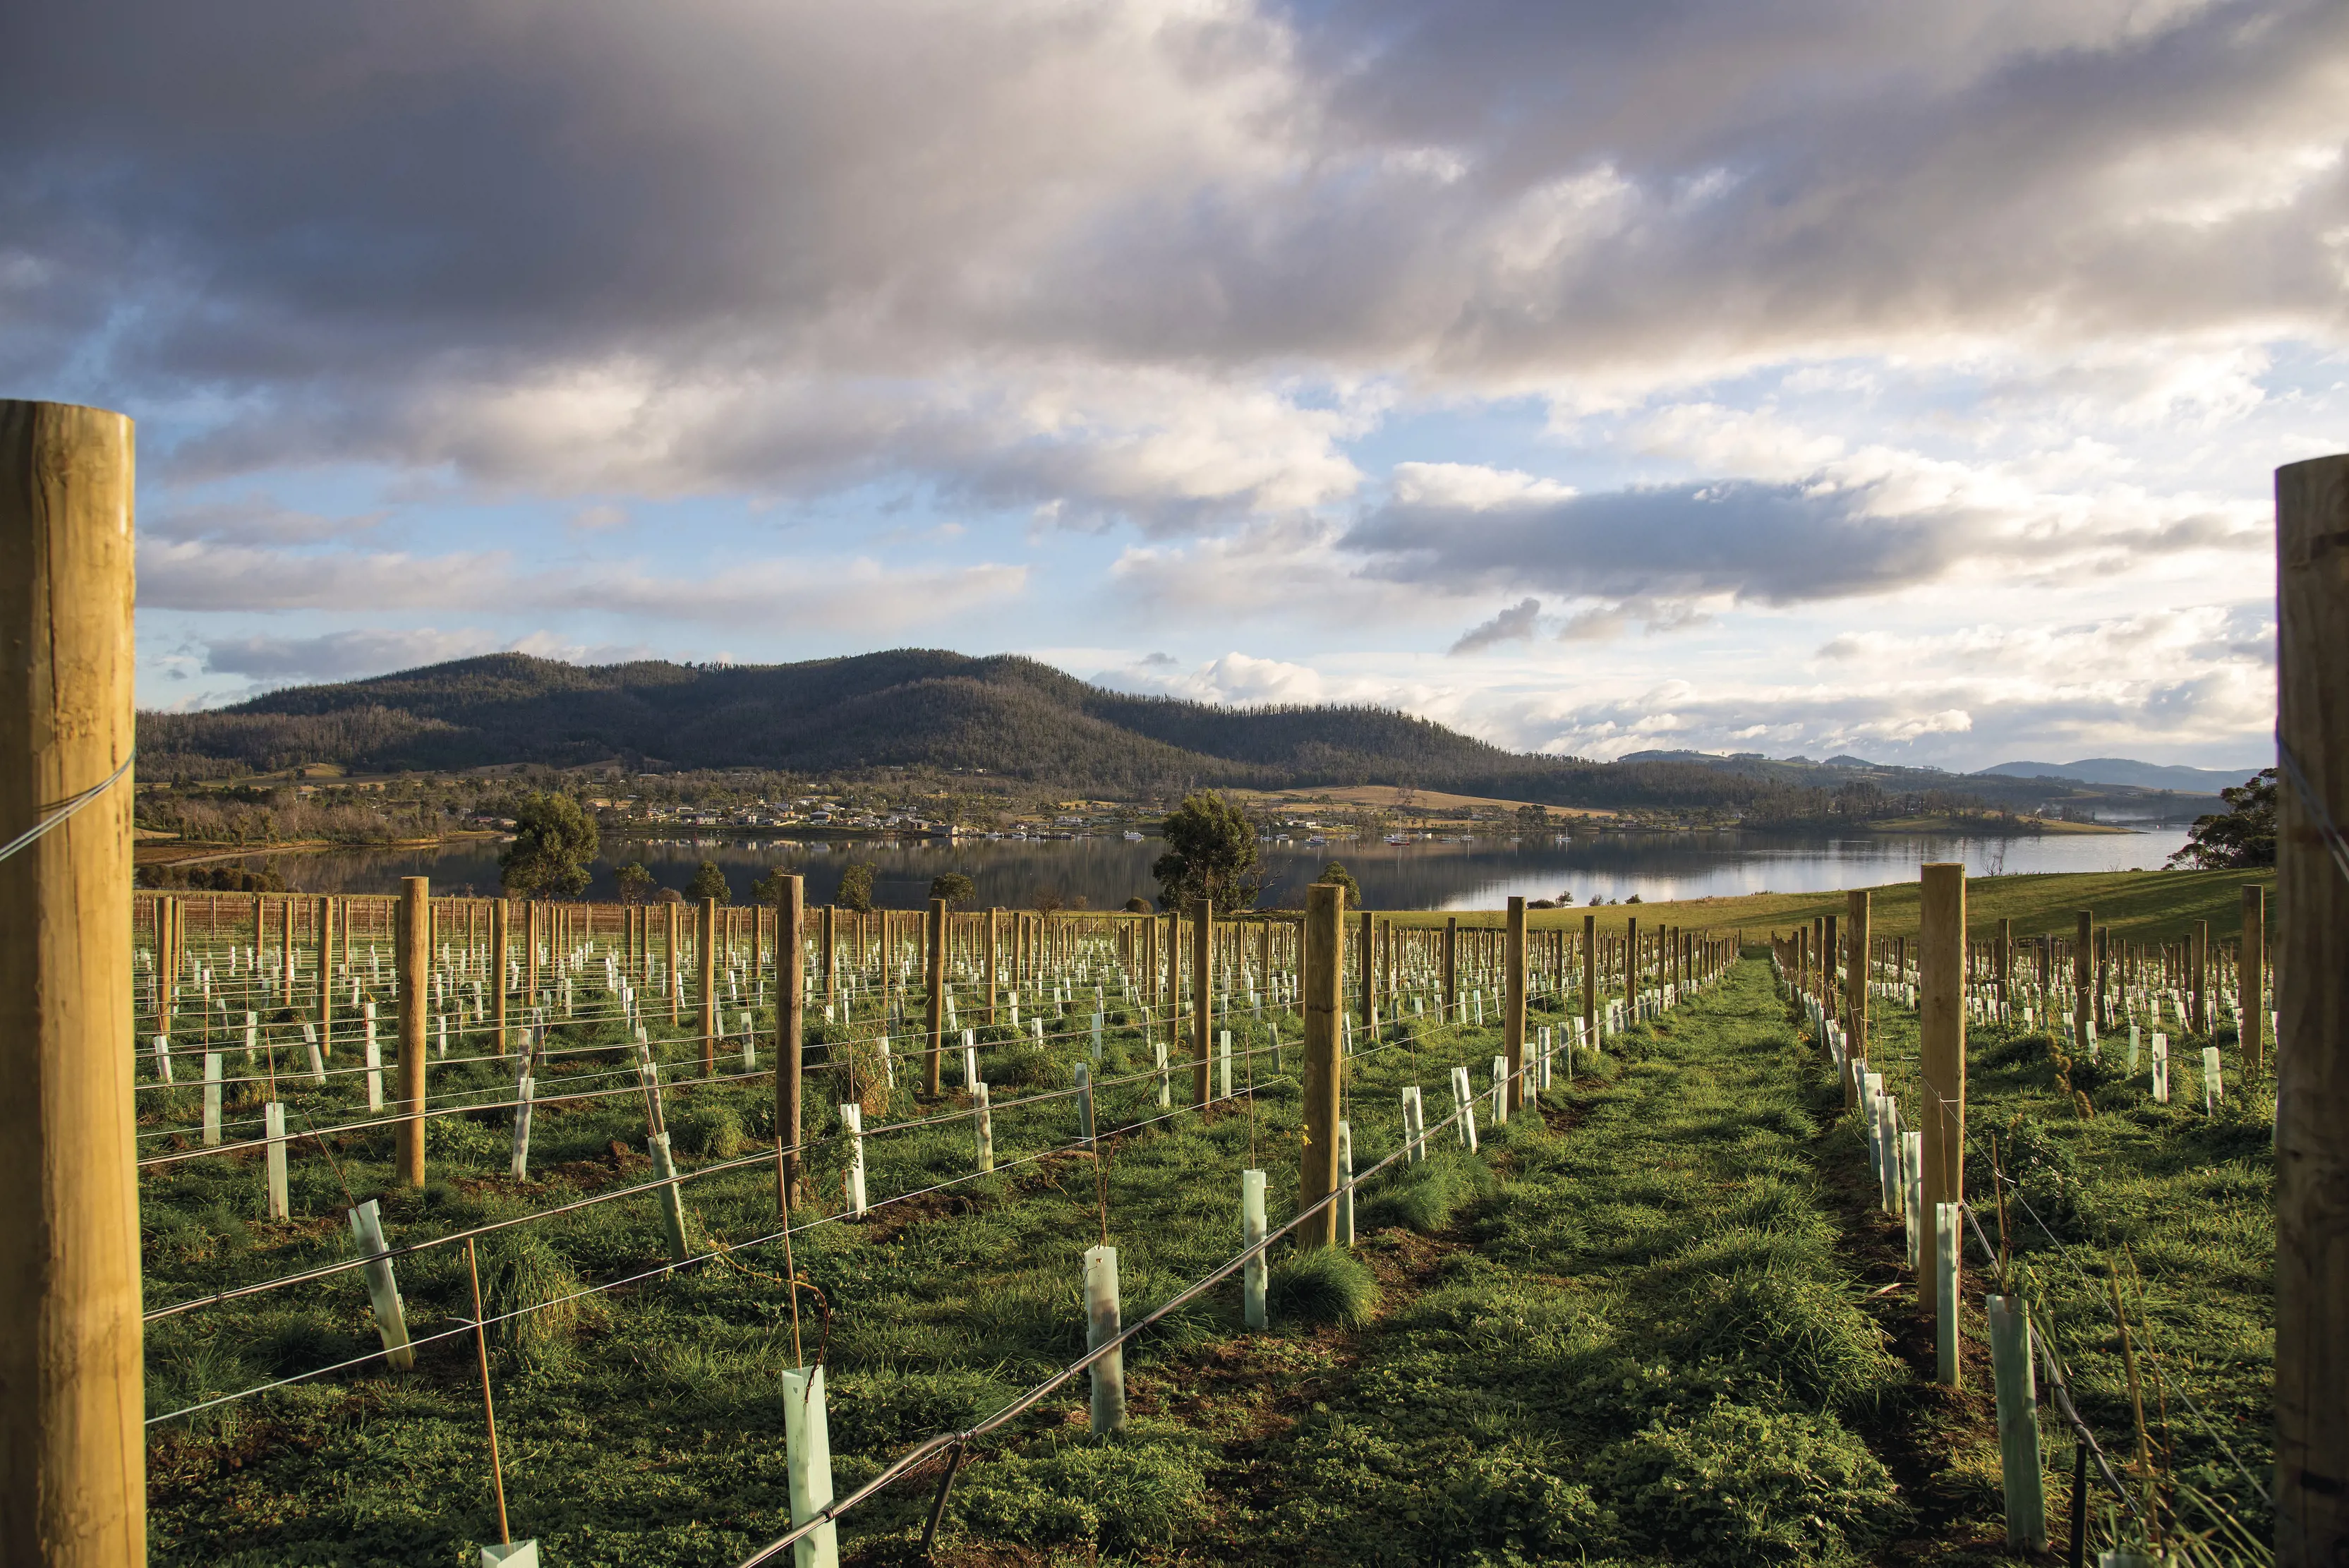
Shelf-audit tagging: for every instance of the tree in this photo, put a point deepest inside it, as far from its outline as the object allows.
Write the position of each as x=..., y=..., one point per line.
x=1211, y=853
x=1335, y=871
x=1050, y=900
x=855, y=888
x=709, y=882
x=636, y=882
x=1564, y=899
x=1137, y=905
x=955, y=888
x=2243, y=834
x=554, y=839
x=768, y=889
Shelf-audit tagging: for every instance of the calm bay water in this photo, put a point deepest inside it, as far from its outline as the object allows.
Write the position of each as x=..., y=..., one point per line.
x=1477, y=874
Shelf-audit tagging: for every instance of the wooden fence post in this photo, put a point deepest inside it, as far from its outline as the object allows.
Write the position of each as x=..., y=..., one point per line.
x=1317, y=1173
x=1589, y=983
x=501, y=910
x=791, y=1009
x=1942, y=1055
x=1202, y=995
x=1513, y=1004
x=2312, y=1276
x=1451, y=967
x=72, y=1448
x=934, y=973
x=412, y=959
x=2250, y=981
x=1855, y=991
x=708, y=964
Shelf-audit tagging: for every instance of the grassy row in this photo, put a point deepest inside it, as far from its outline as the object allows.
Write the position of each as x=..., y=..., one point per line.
x=2104, y=1187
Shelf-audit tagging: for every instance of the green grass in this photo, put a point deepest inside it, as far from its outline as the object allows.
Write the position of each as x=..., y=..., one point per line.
x=2177, y=1204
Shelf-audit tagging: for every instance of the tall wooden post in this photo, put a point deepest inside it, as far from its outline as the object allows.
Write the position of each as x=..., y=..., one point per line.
x=1451, y=969
x=2201, y=977
x=324, y=920
x=1203, y=998
x=2251, y=979
x=1590, y=979
x=790, y=1008
x=1513, y=1004
x=830, y=957
x=933, y=973
x=668, y=961
x=706, y=942
x=286, y=953
x=1941, y=1056
x=412, y=959
x=501, y=911
x=1857, y=912
x=1317, y=1171
x=72, y=1484
x=2312, y=1054
x=1370, y=996
x=2083, y=945
x=994, y=947
x=2005, y=968
x=1631, y=968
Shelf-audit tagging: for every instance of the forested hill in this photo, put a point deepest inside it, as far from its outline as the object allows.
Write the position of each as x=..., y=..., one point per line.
x=905, y=707
x=908, y=707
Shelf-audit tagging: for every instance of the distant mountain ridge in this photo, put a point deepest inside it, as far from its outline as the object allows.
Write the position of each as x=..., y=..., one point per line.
x=905, y=708
x=2124, y=771
x=1004, y=715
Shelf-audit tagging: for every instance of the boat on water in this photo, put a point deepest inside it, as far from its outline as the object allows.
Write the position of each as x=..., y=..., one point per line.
x=1313, y=841
x=1132, y=837
x=1398, y=838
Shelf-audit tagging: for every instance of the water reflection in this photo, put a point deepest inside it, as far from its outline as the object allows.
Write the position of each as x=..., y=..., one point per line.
x=1472, y=874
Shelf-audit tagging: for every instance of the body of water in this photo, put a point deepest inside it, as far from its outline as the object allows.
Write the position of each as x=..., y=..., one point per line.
x=1475, y=874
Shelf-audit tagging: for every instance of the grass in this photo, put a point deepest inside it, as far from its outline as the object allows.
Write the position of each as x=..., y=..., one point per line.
x=1646, y=1325
x=2175, y=1206
x=2141, y=905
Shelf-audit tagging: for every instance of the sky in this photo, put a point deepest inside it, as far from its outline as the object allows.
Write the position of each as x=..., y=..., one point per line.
x=1804, y=377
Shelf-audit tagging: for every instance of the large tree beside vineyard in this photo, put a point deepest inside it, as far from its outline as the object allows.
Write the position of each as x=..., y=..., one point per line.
x=1211, y=853
x=554, y=841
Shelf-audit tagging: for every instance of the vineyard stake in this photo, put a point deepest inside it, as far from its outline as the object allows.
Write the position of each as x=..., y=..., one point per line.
x=71, y=1442
x=707, y=940
x=2312, y=1276
x=414, y=956
x=791, y=1011
x=2250, y=981
x=933, y=973
x=1942, y=1062
x=1317, y=1176
x=1512, y=1010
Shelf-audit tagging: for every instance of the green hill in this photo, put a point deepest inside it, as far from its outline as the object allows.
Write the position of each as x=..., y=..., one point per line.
x=919, y=707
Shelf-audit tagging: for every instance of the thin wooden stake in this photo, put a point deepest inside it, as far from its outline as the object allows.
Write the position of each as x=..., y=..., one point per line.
x=489, y=1405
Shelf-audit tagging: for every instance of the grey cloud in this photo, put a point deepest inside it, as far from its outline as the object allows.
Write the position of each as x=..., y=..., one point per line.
x=417, y=234
x=1779, y=544
x=1517, y=624
x=200, y=576
x=255, y=520
x=340, y=655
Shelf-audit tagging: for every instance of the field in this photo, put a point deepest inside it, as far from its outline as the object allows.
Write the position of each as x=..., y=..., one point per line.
x=2142, y=906
x=1659, y=1319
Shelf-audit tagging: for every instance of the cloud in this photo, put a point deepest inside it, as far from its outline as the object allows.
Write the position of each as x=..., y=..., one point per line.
x=834, y=594
x=1515, y=623
x=1143, y=256
x=599, y=518
x=255, y=520
x=1775, y=543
